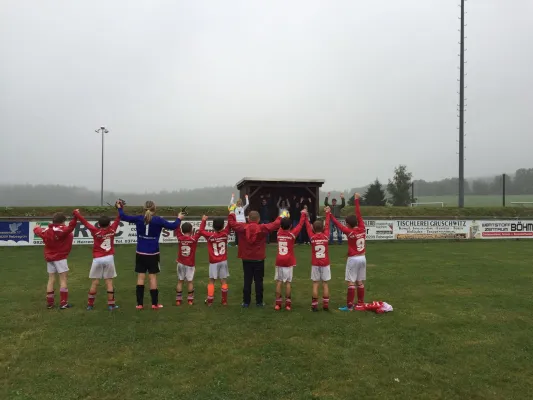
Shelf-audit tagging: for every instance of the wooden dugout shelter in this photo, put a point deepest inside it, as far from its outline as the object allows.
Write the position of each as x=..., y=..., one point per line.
x=285, y=188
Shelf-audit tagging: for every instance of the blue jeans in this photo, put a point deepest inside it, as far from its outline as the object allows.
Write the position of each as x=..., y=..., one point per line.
x=332, y=228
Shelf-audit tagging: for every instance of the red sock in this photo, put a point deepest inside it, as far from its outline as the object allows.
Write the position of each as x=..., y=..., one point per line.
x=224, y=295
x=288, y=302
x=91, y=299
x=279, y=300
x=325, y=302
x=63, y=292
x=314, y=303
x=50, y=298
x=190, y=296
x=361, y=294
x=350, y=296
x=178, y=296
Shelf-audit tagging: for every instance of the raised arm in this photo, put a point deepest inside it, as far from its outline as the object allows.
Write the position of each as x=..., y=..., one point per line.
x=39, y=231
x=232, y=200
x=326, y=223
x=247, y=203
x=343, y=201
x=296, y=230
x=197, y=235
x=127, y=218
x=360, y=220
x=271, y=227
x=288, y=203
x=326, y=201
x=89, y=226
x=233, y=224
x=309, y=228
x=171, y=225
x=278, y=204
x=62, y=233
x=116, y=223
x=344, y=229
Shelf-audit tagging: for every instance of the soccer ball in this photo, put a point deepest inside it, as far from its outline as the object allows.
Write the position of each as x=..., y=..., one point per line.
x=285, y=214
x=231, y=208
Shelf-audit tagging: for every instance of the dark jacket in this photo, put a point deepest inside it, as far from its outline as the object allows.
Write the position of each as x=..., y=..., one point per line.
x=335, y=209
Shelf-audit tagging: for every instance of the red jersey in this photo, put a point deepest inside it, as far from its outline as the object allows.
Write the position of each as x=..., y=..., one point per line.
x=217, y=243
x=187, y=246
x=356, y=236
x=319, y=244
x=57, y=240
x=104, y=238
x=285, y=256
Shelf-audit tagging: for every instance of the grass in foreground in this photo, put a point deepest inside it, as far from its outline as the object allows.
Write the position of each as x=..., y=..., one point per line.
x=461, y=329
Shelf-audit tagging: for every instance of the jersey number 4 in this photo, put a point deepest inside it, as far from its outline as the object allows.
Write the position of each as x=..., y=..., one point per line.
x=106, y=244
x=219, y=248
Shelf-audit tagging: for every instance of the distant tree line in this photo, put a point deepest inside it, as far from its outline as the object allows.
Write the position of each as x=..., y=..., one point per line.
x=396, y=192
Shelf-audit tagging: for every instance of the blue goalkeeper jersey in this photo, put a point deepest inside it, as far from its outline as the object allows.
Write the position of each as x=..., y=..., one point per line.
x=148, y=234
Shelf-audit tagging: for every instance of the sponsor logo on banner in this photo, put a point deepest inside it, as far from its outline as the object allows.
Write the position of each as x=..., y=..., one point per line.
x=432, y=229
x=375, y=230
x=16, y=233
x=502, y=229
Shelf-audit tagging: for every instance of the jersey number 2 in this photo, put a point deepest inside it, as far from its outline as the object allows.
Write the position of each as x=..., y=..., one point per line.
x=320, y=251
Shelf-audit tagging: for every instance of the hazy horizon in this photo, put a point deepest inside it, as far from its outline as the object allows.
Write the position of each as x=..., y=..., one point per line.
x=204, y=93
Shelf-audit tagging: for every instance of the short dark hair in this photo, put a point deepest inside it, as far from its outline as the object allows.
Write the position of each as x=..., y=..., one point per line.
x=104, y=221
x=59, y=218
x=335, y=200
x=218, y=224
x=351, y=221
x=318, y=226
x=286, y=223
x=186, y=227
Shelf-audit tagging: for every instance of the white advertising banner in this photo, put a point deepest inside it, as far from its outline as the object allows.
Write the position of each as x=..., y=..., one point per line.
x=126, y=233
x=431, y=229
x=20, y=233
x=502, y=229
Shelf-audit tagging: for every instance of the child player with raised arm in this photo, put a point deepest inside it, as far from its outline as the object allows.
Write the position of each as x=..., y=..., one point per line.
x=217, y=244
x=356, y=263
x=285, y=259
x=103, y=266
x=320, y=267
x=187, y=259
x=57, y=238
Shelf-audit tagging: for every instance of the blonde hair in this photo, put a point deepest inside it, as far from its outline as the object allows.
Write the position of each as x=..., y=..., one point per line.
x=239, y=203
x=149, y=211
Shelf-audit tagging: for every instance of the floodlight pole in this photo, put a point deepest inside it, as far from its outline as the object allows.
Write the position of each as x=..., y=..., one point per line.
x=461, y=111
x=102, y=130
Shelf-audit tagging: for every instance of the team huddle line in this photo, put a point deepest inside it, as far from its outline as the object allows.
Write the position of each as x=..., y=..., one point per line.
x=252, y=236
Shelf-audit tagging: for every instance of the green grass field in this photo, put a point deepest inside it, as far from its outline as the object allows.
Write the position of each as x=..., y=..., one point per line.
x=461, y=329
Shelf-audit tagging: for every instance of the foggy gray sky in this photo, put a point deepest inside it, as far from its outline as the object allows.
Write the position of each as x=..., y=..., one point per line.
x=200, y=93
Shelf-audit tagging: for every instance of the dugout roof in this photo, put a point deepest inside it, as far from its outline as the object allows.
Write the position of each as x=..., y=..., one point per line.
x=285, y=188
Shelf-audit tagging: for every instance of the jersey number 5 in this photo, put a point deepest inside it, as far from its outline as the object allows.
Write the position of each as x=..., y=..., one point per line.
x=219, y=248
